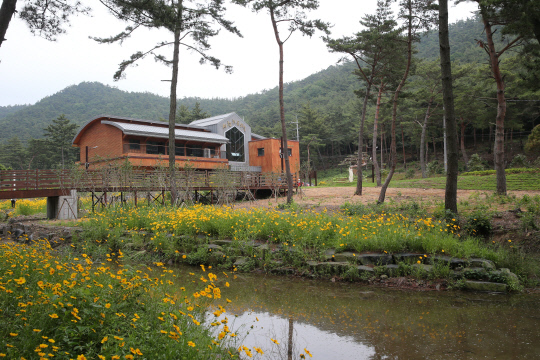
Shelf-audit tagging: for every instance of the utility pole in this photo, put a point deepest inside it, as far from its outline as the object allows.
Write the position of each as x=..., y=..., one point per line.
x=297, y=129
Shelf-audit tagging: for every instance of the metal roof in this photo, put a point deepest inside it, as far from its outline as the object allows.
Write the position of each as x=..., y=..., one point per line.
x=162, y=132
x=257, y=136
x=112, y=117
x=211, y=120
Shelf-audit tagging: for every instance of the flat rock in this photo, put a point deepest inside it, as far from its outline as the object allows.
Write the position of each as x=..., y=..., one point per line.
x=424, y=267
x=241, y=260
x=213, y=247
x=222, y=242
x=364, y=268
x=485, y=286
x=474, y=273
x=392, y=269
x=407, y=258
x=375, y=259
x=345, y=256
x=452, y=262
x=486, y=264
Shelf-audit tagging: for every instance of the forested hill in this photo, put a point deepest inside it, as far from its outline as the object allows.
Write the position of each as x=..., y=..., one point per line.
x=463, y=43
x=328, y=91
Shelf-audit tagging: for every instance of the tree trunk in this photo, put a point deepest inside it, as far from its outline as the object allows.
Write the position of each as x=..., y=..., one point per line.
x=361, y=138
x=450, y=195
x=375, y=124
x=474, y=137
x=403, y=145
x=498, y=147
x=172, y=113
x=423, y=147
x=463, y=152
x=6, y=13
x=382, y=147
x=282, y=111
x=384, y=187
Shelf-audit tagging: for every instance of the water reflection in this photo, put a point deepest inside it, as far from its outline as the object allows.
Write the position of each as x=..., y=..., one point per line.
x=351, y=321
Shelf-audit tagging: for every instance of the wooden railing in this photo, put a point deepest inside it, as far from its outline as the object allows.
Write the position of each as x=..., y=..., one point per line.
x=114, y=179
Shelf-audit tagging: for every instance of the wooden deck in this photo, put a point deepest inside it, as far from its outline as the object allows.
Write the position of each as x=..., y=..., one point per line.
x=19, y=184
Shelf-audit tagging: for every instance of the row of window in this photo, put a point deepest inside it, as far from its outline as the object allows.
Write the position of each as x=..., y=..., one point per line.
x=159, y=148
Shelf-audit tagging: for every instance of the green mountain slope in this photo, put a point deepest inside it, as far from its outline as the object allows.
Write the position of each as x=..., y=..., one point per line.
x=328, y=91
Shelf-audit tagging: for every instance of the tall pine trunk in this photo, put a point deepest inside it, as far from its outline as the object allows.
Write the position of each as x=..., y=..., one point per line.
x=285, y=150
x=361, y=138
x=382, y=194
x=375, y=124
x=423, y=145
x=450, y=194
x=172, y=114
x=498, y=148
x=463, y=152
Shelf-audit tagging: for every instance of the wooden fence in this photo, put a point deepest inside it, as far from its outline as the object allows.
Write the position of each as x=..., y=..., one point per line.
x=42, y=183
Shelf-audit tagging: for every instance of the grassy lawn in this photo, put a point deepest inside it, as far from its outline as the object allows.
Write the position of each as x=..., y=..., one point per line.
x=519, y=181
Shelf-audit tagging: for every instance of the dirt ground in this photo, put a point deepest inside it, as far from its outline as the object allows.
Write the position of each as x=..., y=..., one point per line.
x=334, y=197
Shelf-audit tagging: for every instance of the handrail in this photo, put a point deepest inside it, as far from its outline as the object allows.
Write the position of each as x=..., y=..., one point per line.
x=111, y=179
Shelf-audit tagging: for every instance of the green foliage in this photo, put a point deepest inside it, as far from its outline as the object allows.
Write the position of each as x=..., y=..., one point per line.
x=475, y=163
x=533, y=142
x=410, y=173
x=435, y=168
x=520, y=161
x=478, y=223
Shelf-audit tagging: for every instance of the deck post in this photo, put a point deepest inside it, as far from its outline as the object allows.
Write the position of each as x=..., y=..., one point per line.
x=135, y=197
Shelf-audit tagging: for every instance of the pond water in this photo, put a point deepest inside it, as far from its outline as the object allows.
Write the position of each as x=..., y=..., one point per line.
x=354, y=321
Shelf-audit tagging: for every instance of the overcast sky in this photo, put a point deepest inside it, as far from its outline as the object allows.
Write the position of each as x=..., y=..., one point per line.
x=32, y=68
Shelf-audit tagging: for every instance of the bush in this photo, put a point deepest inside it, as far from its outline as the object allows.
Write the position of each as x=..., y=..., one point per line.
x=434, y=168
x=476, y=163
x=410, y=173
x=519, y=161
x=478, y=223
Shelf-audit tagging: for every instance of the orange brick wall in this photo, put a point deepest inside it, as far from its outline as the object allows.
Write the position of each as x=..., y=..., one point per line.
x=107, y=138
x=271, y=162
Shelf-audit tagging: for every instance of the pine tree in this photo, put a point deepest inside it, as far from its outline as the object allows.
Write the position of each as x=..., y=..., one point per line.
x=372, y=50
x=59, y=135
x=290, y=12
x=191, y=22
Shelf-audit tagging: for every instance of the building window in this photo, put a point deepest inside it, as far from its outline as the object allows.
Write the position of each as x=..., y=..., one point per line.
x=155, y=147
x=260, y=152
x=134, y=144
x=281, y=152
x=235, y=148
x=195, y=150
x=179, y=150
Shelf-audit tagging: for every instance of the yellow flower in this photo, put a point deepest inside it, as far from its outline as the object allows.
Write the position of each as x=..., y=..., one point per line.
x=191, y=343
x=275, y=341
x=54, y=316
x=81, y=357
x=307, y=352
x=104, y=339
x=107, y=305
x=13, y=334
x=20, y=281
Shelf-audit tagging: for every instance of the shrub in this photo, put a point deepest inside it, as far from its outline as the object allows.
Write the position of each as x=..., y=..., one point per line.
x=434, y=168
x=410, y=173
x=519, y=161
x=478, y=223
x=476, y=163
